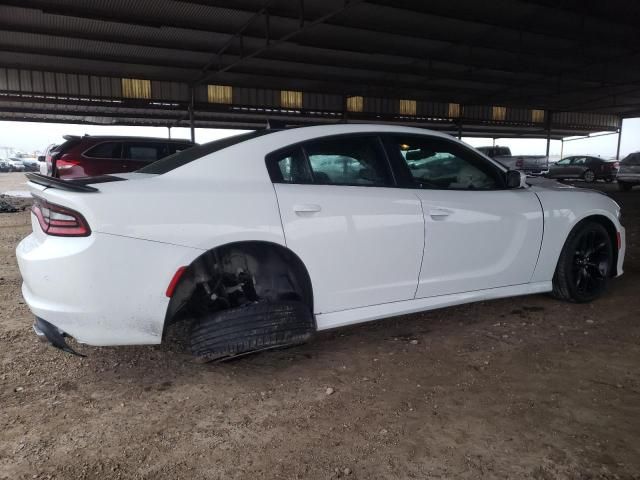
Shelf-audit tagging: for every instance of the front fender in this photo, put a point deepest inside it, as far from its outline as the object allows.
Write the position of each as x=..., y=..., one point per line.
x=562, y=211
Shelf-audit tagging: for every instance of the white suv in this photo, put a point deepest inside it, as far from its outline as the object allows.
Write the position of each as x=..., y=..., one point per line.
x=629, y=172
x=264, y=238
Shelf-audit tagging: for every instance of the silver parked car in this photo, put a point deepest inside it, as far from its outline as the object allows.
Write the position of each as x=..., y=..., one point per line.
x=629, y=172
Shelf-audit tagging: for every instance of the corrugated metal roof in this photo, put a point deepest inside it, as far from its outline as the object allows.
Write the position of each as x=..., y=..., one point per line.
x=521, y=54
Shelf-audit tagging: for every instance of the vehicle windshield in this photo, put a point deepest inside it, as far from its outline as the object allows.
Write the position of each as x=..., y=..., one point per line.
x=179, y=159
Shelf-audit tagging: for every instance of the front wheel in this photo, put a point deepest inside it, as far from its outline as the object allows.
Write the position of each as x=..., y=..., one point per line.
x=585, y=264
x=589, y=176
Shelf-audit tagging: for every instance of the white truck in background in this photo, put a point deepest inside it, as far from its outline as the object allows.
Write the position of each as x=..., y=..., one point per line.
x=529, y=164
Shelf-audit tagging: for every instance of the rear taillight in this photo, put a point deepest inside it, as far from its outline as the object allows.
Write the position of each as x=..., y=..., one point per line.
x=59, y=221
x=65, y=164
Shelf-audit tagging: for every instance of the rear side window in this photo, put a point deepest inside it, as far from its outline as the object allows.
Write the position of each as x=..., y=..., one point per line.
x=348, y=161
x=342, y=160
x=292, y=167
x=146, y=151
x=105, y=150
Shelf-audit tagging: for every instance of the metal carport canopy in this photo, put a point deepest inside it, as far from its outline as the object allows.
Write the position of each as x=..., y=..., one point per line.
x=531, y=68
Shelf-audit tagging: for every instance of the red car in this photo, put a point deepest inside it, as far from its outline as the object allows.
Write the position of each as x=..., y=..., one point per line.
x=90, y=155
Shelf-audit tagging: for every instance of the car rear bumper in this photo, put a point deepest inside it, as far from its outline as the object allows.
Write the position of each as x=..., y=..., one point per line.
x=628, y=177
x=100, y=290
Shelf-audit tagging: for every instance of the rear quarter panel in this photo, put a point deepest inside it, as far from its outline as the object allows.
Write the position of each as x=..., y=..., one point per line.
x=215, y=201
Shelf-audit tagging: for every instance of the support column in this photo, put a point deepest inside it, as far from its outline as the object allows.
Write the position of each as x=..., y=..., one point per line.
x=561, y=148
x=460, y=130
x=619, y=140
x=191, y=124
x=548, y=136
x=169, y=131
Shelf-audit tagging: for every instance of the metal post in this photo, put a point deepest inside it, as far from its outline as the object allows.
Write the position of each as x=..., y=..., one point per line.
x=619, y=139
x=191, y=125
x=459, y=130
x=561, y=147
x=494, y=141
x=169, y=131
x=549, y=114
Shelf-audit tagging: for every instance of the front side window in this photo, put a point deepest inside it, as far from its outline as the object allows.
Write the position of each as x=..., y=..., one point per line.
x=348, y=161
x=105, y=150
x=436, y=163
x=564, y=161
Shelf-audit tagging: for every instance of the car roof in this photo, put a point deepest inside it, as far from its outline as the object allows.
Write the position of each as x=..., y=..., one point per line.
x=126, y=138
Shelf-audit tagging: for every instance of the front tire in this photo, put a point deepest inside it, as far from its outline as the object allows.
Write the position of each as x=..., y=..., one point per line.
x=585, y=264
x=252, y=328
x=589, y=176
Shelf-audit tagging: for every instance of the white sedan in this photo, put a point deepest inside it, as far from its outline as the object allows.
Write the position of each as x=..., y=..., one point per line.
x=261, y=239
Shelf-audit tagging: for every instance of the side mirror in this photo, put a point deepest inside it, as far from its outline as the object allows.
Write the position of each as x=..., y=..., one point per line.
x=516, y=179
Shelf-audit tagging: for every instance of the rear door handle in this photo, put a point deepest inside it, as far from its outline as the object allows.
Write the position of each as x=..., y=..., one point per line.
x=307, y=208
x=439, y=213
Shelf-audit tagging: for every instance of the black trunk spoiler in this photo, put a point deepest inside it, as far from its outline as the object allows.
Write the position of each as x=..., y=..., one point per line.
x=58, y=183
x=73, y=185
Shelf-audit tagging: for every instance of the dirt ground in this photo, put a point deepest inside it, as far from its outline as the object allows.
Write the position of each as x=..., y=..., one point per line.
x=519, y=388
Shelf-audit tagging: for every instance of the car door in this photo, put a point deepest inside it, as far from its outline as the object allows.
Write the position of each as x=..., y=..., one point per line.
x=577, y=167
x=560, y=168
x=360, y=238
x=478, y=234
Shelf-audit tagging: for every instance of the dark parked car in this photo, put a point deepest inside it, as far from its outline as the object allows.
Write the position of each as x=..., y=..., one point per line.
x=629, y=173
x=99, y=155
x=585, y=167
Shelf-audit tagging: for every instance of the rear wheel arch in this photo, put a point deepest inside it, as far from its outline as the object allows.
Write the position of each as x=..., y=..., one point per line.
x=268, y=271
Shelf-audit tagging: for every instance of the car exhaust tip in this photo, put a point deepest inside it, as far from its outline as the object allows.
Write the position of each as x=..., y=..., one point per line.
x=47, y=332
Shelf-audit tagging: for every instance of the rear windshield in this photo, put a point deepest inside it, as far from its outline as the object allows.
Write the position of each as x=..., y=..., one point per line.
x=186, y=156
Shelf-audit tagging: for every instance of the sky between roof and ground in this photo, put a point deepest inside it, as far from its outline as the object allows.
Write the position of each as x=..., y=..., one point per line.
x=32, y=137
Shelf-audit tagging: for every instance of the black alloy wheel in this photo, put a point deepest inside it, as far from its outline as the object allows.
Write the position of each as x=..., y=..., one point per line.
x=585, y=264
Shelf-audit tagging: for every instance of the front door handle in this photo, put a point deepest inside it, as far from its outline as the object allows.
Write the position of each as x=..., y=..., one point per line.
x=307, y=208
x=439, y=213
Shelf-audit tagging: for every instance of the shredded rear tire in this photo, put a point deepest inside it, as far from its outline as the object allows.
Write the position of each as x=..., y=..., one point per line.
x=252, y=328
